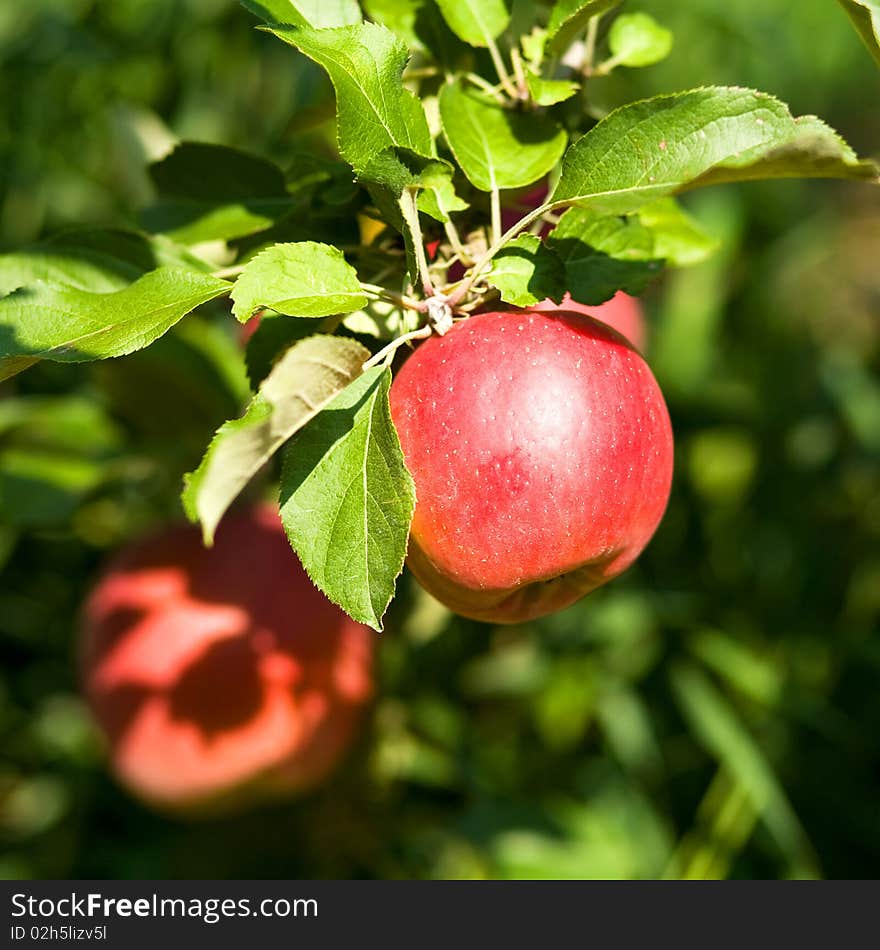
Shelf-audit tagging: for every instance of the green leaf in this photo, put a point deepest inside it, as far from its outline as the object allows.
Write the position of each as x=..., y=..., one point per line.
x=477, y=22
x=496, y=147
x=865, y=15
x=374, y=110
x=303, y=280
x=661, y=146
x=437, y=197
x=299, y=386
x=316, y=13
x=547, y=92
x=717, y=726
x=570, y=17
x=95, y=259
x=215, y=193
x=525, y=271
x=603, y=254
x=66, y=324
x=347, y=499
x=636, y=39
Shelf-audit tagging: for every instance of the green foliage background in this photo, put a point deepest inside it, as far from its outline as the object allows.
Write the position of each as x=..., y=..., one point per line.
x=715, y=712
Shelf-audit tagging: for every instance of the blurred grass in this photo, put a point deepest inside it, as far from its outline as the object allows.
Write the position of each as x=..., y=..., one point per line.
x=714, y=713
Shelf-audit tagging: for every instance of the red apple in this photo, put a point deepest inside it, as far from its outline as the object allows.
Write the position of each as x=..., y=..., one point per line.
x=541, y=450
x=622, y=313
x=221, y=675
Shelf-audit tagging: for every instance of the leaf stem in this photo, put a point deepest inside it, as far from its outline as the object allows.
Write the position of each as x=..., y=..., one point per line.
x=386, y=352
x=226, y=272
x=494, y=91
x=519, y=72
x=458, y=248
x=393, y=297
x=605, y=67
x=501, y=69
x=590, y=45
x=423, y=72
x=496, y=212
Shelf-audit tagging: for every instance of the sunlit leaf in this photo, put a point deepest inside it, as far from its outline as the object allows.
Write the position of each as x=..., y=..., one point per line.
x=496, y=147
x=69, y=325
x=347, y=499
x=304, y=279
x=657, y=147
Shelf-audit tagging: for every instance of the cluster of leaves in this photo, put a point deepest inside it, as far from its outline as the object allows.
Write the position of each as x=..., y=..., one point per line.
x=447, y=114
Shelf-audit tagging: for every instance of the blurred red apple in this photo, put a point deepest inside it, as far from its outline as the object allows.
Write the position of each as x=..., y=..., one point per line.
x=541, y=450
x=247, y=330
x=221, y=675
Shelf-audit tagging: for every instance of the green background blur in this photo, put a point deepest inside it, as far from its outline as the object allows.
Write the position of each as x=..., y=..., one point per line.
x=713, y=713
